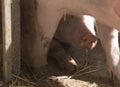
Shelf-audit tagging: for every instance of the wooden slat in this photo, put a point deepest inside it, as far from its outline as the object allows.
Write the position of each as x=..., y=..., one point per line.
x=16, y=36
x=11, y=38
x=0, y=35
x=7, y=39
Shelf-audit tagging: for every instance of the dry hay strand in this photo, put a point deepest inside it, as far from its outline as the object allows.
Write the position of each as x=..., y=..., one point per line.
x=21, y=82
x=71, y=82
x=85, y=70
x=65, y=81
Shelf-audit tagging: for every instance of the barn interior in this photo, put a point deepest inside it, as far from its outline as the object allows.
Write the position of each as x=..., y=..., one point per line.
x=93, y=73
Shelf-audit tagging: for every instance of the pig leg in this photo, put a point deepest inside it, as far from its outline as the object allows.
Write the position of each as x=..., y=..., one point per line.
x=47, y=21
x=63, y=58
x=109, y=40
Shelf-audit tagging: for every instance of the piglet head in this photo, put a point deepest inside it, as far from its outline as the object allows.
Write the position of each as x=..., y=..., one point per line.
x=83, y=38
x=88, y=41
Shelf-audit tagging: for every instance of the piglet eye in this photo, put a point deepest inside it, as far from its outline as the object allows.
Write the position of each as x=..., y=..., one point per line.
x=84, y=40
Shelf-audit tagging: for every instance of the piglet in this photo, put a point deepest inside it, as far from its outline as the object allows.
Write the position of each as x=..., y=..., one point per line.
x=77, y=32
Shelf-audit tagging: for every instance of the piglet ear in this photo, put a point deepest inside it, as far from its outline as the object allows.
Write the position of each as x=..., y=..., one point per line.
x=117, y=7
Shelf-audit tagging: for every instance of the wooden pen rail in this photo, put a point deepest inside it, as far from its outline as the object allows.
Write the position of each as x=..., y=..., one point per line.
x=11, y=37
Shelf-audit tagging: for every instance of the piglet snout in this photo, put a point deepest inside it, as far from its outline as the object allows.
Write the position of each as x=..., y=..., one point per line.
x=89, y=41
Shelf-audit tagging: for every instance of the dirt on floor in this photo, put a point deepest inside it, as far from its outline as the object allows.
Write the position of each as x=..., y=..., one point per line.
x=93, y=72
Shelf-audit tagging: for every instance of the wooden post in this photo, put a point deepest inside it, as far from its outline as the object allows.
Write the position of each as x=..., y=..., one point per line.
x=0, y=34
x=16, y=36
x=11, y=38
